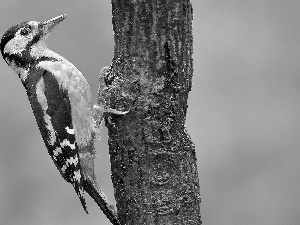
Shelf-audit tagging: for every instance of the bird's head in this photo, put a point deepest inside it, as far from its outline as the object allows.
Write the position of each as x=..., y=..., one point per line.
x=24, y=42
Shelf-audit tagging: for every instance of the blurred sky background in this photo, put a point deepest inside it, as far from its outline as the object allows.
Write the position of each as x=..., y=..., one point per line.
x=243, y=115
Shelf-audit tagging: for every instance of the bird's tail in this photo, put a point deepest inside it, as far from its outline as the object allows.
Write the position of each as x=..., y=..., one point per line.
x=99, y=197
x=79, y=189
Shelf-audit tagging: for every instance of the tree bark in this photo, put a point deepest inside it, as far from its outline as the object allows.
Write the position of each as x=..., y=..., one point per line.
x=153, y=161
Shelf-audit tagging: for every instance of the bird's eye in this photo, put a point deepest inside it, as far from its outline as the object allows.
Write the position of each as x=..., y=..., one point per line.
x=25, y=31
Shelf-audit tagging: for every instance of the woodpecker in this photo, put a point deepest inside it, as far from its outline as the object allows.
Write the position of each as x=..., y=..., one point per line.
x=60, y=99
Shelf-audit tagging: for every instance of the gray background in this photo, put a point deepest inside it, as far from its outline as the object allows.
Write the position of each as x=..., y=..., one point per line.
x=243, y=113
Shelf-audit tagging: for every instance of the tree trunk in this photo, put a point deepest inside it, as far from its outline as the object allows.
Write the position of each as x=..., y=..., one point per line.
x=153, y=159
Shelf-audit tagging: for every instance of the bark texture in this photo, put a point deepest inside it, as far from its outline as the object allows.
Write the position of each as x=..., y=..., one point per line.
x=153, y=159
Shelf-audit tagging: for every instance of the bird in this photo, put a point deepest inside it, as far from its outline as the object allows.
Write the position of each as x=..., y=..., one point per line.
x=61, y=102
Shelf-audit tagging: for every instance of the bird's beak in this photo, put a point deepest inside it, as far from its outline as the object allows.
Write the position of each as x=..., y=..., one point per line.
x=48, y=25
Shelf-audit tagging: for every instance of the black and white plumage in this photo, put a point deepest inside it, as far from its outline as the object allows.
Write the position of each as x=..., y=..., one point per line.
x=60, y=98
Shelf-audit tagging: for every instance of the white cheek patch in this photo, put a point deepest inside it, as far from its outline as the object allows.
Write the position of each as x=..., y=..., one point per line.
x=40, y=89
x=17, y=45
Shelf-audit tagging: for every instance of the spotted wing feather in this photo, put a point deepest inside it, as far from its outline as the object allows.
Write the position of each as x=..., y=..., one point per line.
x=52, y=111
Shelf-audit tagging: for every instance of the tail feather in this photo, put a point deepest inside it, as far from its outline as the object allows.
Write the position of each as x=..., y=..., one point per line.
x=80, y=193
x=99, y=197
